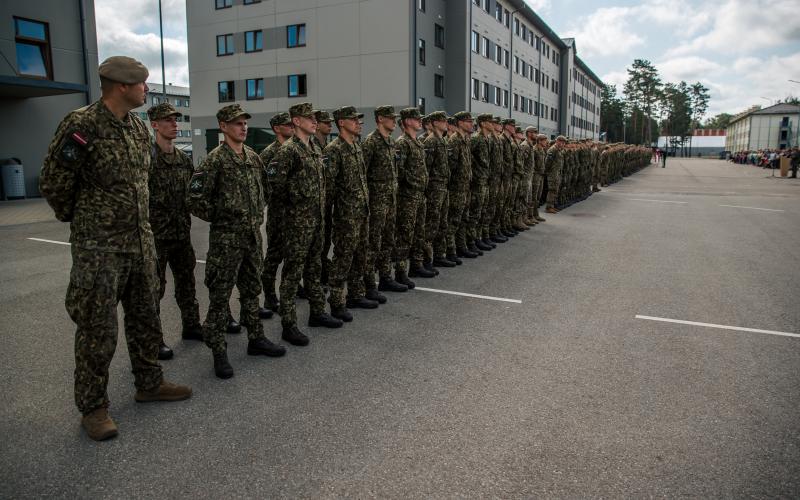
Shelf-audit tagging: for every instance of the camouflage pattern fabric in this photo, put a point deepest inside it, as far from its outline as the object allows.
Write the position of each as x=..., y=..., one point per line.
x=553, y=162
x=274, y=226
x=436, y=154
x=495, y=180
x=481, y=149
x=412, y=180
x=460, y=161
x=379, y=159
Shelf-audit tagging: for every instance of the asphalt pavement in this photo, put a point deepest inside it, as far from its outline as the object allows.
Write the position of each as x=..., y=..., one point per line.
x=559, y=390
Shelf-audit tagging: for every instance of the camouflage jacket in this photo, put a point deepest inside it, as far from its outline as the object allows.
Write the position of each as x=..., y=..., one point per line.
x=348, y=176
x=95, y=177
x=460, y=162
x=539, y=154
x=412, y=174
x=297, y=176
x=527, y=159
x=481, y=150
x=553, y=161
x=510, y=149
x=266, y=155
x=169, y=195
x=226, y=191
x=496, y=158
x=379, y=155
x=436, y=159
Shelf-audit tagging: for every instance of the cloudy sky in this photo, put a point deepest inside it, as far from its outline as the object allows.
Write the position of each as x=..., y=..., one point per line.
x=742, y=50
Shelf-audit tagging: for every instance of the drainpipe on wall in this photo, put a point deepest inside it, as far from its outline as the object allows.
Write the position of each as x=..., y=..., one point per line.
x=85, y=55
x=414, y=49
x=469, y=78
x=511, y=65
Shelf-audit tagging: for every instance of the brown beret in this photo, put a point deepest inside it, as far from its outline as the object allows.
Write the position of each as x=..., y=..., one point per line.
x=123, y=69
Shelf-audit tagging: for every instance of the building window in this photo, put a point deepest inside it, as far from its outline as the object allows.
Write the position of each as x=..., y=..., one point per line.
x=497, y=98
x=421, y=105
x=225, y=91
x=421, y=5
x=516, y=26
x=156, y=100
x=253, y=41
x=297, y=85
x=224, y=45
x=486, y=6
x=296, y=35
x=524, y=32
x=505, y=99
x=485, y=47
x=506, y=18
x=422, y=51
x=506, y=57
x=485, y=92
x=498, y=12
x=516, y=102
x=223, y=4
x=537, y=76
x=516, y=64
x=255, y=89
x=475, y=41
x=33, y=48
x=250, y=2
x=438, y=85
x=438, y=38
x=186, y=118
x=498, y=54
x=475, y=88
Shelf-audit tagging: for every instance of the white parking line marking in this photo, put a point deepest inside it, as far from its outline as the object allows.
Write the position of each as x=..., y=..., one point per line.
x=723, y=327
x=754, y=208
x=51, y=241
x=661, y=201
x=462, y=294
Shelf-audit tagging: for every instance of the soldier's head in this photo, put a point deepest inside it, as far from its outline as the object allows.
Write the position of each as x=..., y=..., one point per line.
x=518, y=134
x=348, y=120
x=464, y=121
x=164, y=120
x=531, y=134
x=485, y=123
x=303, y=119
x=385, y=118
x=541, y=139
x=282, y=125
x=233, y=122
x=452, y=126
x=411, y=120
x=497, y=123
x=561, y=141
x=324, y=121
x=438, y=121
x=123, y=81
x=508, y=126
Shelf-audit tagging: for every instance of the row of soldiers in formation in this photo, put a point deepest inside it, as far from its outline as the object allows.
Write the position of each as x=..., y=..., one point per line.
x=380, y=203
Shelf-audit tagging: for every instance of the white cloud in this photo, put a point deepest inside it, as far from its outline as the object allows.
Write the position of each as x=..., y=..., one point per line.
x=616, y=78
x=689, y=68
x=605, y=32
x=539, y=5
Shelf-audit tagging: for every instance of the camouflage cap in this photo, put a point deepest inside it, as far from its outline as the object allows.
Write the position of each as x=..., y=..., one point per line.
x=561, y=138
x=280, y=119
x=231, y=112
x=532, y=129
x=426, y=119
x=541, y=137
x=508, y=121
x=161, y=111
x=497, y=119
x=323, y=116
x=451, y=120
x=462, y=116
x=347, y=113
x=410, y=113
x=386, y=112
x=438, y=116
x=518, y=130
x=485, y=117
x=304, y=109
x=123, y=69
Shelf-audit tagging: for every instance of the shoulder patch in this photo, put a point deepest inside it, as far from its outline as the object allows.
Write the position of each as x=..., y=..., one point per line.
x=197, y=182
x=74, y=147
x=272, y=169
x=326, y=161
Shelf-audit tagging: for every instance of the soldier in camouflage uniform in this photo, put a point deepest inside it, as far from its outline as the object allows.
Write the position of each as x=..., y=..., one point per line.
x=281, y=125
x=321, y=139
x=298, y=180
x=482, y=147
x=379, y=159
x=526, y=150
x=226, y=190
x=435, y=197
x=540, y=153
x=460, y=162
x=412, y=180
x=95, y=176
x=553, y=164
x=171, y=221
x=350, y=200
x=497, y=162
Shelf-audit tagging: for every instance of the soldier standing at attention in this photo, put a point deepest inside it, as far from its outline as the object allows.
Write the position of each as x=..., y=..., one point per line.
x=553, y=163
x=321, y=139
x=226, y=191
x=95, y=177
x=412, y=179
x=379, y=159
x=350, y=200
x=481, y=147
x=282, y=127
x=526, y=150
x=296, y=174
x=171, y=221
x=460, y=162
x=540, y=153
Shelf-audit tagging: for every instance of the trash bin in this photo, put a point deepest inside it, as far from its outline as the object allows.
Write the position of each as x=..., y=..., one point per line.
x=13, y=174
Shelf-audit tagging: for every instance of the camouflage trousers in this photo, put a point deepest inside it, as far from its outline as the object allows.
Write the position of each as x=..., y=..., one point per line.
x=232, y=260
x=511, y=203
x=410, y=226
x=537, y=185
x=457, y=218
x=382, y=214
x=478, y=194
x=490, y=208
x=179, y=254
x=350, y=242
x=274, y=254
x=98, y=282
x=326, y=245
x=302, y=259
x=523, y=197
x=435, y=223
x=498, y=221
x=553, y=181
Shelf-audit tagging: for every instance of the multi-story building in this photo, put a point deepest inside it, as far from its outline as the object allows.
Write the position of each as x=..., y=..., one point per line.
x=177, y=96
x=485, y=56
x=775, y=127
x=48, y=68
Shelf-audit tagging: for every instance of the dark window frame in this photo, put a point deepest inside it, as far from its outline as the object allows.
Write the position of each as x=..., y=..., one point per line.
x=421, y=104
x=298, y=27
x=231, y=91
x=438, y=85
x=254, y=97
x=438, y=35
x=302, y=85
x=229, y=51
x=255, y=40
x=421, y=52
x=43, y=45
x=226, y=4
x=421, y=5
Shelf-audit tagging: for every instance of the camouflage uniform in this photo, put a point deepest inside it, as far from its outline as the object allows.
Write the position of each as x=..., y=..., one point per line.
x=525, y=185
x=538, y=180
x=460, y=161
x=350, y=200
x=298, y=183
x=379, y=159
x=436, y=153
x=226, y=191
x=321, y=141
x=553, y=164
x=95, y=176
x=481, y=148
x=412, y=179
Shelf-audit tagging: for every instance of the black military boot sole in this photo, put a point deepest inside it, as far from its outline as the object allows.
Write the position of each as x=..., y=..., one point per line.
x=390, y=285
x=374, y=295
x=222, y=367
x=264, y=347
x=342, y=314
x=294, y=336
x=325, y=320
x=362, y=303
x=444, y=262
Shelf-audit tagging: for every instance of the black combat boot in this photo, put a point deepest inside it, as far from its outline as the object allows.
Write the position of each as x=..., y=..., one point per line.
x=428, y=264
x=340, y=313
x=271, y=302
x=264, y=313
x=294, y=336
x=390, y=285
x=483, y=246
x=402, y=278
x=468, y=253
x=444, y=262
x=301, y=292
x=417, y=271
x=165, y=352
x=361, y=303
x=324, y=319
x=264, y=347
x=498, y=238
x=376, y=296
x=233, y=326
x=489, y=242
x=454, y=259
x=222, y=367
x=194, y=332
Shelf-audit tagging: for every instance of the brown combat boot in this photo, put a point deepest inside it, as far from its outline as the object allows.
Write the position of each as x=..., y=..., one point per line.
x=99, y=425
x=551, y=210
x=167, y=391
x=519, y=225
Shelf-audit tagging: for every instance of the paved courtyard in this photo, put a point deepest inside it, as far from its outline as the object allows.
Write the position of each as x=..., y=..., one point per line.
x=642, y=343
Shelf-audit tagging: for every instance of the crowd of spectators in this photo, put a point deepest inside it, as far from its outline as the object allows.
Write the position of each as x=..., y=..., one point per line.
x=768, y=158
